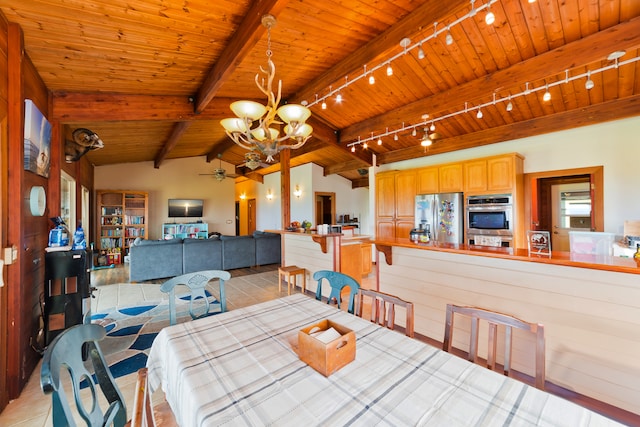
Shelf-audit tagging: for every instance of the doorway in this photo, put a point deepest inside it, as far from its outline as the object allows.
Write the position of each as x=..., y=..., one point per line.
x=325, y=209
x=251, y=215
x=565, y=200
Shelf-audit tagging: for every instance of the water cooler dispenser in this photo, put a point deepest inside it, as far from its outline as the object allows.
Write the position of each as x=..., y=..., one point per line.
x=67, y=291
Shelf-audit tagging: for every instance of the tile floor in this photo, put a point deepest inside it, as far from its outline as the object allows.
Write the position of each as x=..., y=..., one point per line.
x=33, y=408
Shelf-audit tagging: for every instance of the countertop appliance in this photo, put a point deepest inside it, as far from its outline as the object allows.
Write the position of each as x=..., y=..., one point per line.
x=442, y=215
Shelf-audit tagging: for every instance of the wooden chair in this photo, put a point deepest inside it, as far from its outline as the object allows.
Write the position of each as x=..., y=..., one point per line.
x=144, y=414
x=383, y=310
x=66, y=353
x=337, y=281
x=494, y=320
x=196, y=282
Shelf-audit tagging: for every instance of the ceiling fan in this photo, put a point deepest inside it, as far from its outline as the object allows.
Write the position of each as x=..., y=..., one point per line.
x=220, y=173
x=252, y=161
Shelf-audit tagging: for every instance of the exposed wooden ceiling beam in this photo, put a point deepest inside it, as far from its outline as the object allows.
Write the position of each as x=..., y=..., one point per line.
x=345, y=167
x=595, y=114
x=360, y=183
x=587, y=50
x=69, y=107
x=240, y=45
x=177, y=132
x=426, y=14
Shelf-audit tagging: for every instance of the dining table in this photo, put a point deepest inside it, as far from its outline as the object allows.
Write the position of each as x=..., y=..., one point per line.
x=241, y=368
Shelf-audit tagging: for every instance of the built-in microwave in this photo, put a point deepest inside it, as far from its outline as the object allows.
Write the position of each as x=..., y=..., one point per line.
x=489, y=218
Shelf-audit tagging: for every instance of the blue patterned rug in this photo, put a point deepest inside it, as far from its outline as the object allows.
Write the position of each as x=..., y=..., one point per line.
x=131, y=331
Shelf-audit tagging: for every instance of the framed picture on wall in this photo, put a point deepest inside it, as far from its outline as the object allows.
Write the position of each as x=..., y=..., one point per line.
x=37, y=140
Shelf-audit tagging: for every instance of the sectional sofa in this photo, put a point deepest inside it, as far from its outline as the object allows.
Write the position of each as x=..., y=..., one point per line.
x=156, y=259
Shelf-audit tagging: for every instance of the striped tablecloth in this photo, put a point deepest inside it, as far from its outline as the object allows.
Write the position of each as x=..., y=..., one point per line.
x=241, y=368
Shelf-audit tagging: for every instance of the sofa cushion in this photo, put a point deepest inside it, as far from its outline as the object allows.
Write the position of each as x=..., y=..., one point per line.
x=238, y=252
x=201, y=254
x=268, y=248
x=155, y=259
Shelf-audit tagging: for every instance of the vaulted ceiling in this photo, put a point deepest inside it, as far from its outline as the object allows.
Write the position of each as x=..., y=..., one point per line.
x=154, y=78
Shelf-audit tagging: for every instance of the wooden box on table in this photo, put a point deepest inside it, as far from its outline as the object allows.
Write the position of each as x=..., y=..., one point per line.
x=329, y=357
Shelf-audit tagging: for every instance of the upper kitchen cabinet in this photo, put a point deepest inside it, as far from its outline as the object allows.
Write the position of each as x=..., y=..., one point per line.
x=395, y=203
x=492, y=175
x=450, y=177
x=428, y=180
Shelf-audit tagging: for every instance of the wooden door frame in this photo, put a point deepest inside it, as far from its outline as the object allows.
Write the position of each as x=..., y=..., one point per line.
x=251, y=215
x=332, y=195
x=597, y=191
x=4, y=223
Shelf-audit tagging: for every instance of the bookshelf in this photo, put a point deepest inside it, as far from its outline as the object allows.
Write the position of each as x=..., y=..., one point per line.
x=122, y=216
x=195, y=230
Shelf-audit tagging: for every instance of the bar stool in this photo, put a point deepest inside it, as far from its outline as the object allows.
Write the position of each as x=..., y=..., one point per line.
x=290, y=272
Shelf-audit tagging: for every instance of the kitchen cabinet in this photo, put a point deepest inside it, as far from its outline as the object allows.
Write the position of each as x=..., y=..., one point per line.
x=475, y=176
x=501, y=173
x=450, y=178
x=395, y=203
x=491, y=175
x=427, y=180
x=366, y=258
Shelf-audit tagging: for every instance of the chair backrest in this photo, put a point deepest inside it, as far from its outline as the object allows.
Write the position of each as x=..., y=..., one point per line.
x=142, y=412
x=383, y=309
x=337, y=281
x=66, y=352
x=196, y=282
x=494, y=319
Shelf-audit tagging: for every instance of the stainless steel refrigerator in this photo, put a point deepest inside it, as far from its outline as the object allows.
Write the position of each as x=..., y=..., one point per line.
x=442, y=215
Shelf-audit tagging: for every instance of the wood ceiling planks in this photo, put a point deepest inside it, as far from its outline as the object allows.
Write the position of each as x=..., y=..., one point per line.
x=132, y=69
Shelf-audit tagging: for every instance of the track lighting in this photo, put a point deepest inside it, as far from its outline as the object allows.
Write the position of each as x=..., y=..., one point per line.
x=414, y=132
x=353, y=148
x=389, y=70
x=365, y=145
x=448, y=38
x=509, y=104
x=372, y=79
x=589, y=83
x=395, y=136
x=420, y=53
x=489, y=18
x=479, y=114
x=547, y=95
x=379, y=141
x=338, y=98
x=432, y=128
x=324, y=105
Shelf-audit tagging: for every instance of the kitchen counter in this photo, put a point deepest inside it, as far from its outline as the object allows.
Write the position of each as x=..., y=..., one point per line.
x=589, y=306
x=597, y=262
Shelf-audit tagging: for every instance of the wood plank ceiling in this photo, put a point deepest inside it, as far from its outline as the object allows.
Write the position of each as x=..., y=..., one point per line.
x=153, y=78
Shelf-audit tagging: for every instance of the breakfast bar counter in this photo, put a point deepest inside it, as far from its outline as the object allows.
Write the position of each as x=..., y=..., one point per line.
x=597, y=262
x=589, y=305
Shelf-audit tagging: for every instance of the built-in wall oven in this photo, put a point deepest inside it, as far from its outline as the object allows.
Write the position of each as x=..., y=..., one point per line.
x=489, y=220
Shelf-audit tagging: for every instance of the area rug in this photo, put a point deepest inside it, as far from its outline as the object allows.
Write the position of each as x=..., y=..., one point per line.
x=131, y=331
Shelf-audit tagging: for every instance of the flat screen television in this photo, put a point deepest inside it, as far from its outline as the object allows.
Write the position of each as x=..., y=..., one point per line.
x=185, y=208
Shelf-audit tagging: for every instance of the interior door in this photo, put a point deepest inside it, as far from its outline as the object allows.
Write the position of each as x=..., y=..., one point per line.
x=251, y=216
x=570, y=210
x=4, y=396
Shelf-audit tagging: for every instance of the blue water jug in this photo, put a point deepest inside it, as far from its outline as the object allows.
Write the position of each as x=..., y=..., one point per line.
x=78, y=238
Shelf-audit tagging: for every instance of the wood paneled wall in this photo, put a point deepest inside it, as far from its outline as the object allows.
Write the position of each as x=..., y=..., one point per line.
x=591, y=317
x=20, y=308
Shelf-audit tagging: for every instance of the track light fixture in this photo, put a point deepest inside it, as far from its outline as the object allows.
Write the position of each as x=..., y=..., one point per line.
x=547, y=95
x=589, y=83
x=448, y=38
x=389, y=70
x=479, y=114
x=489, y=18
x=372, y=80
x=420, y=53
x=509, y=105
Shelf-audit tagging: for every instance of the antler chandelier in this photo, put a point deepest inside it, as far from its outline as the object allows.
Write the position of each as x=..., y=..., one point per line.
x=256, y=126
